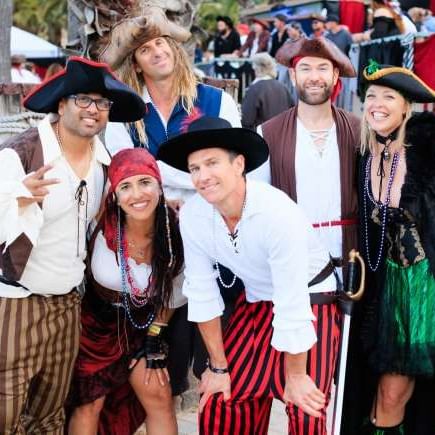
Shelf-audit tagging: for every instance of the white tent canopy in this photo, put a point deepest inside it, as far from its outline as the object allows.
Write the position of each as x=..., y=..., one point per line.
x=32, y=46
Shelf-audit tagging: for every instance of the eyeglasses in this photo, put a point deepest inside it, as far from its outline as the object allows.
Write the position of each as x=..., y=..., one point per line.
x=83, y=101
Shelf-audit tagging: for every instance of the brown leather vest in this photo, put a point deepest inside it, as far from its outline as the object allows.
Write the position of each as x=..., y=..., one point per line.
x=280, y=134
x=29, y=149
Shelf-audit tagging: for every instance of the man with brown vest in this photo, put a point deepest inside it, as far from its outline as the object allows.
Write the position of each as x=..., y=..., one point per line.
x=313, y=146
x=52, y=185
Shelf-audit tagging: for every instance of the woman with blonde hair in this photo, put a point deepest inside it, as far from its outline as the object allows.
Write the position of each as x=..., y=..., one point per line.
x=397, y=197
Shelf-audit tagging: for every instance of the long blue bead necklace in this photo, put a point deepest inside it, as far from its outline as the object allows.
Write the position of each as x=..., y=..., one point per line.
x=383, y=208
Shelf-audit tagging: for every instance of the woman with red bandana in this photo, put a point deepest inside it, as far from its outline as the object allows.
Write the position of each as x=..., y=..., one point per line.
x=134, y=267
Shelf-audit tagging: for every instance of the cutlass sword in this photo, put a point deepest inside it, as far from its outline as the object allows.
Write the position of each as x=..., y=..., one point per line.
x=347, y=299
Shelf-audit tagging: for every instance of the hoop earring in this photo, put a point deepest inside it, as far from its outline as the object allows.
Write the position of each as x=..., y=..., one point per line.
x=168, y=235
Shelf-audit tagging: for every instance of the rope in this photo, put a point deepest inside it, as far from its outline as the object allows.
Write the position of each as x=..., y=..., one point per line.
x=19, y=122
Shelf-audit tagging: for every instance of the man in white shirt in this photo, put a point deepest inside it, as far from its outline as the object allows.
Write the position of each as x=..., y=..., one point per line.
x=314, y=145
x=52, y=185
x=264, y=238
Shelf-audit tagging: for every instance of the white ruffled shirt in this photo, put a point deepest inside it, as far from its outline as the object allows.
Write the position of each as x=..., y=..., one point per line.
x=53, y=267
x=278, y=255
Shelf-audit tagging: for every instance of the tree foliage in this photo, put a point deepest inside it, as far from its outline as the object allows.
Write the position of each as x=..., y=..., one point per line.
x=45, y=18
x=209, y=10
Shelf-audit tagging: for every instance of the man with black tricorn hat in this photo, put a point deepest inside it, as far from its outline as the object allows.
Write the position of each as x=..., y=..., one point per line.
x=263, y=237
x=52, y=183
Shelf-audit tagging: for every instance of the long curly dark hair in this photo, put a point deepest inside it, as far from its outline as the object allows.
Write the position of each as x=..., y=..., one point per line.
x=160, y=285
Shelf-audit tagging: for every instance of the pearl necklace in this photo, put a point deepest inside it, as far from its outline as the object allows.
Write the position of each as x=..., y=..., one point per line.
x=234, y=239
x=383, y=207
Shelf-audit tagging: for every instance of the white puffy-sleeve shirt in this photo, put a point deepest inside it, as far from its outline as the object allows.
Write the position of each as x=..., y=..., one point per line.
x=105, y=271
x=272, y=260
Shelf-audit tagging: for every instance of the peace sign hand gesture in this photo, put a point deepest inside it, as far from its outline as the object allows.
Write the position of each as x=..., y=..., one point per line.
x=37, y=186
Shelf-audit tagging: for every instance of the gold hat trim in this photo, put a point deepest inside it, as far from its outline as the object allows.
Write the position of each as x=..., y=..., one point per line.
x=396, y=69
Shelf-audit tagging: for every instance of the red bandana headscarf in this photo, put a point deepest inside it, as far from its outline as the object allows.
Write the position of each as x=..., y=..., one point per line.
x=337, y=88
x=130, y=162
x=124, y=164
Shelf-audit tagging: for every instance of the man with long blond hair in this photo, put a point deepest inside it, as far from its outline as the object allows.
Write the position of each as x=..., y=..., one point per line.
x=158, y=68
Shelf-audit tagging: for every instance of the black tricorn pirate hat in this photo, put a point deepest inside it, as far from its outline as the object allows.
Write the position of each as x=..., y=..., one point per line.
x=82, y=75
x=212, y=132
x=403, y=80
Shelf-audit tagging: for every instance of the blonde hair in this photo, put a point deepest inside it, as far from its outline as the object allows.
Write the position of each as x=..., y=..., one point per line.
x=368, y=135
x=184, y=83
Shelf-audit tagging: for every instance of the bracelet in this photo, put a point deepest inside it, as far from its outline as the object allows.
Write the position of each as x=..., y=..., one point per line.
x=216, y=370
x=155, y=329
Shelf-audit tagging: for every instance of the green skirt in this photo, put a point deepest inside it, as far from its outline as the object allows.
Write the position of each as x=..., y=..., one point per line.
x=406, y=321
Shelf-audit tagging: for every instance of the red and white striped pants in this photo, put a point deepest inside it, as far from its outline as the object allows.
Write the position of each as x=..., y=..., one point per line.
x=258, y=374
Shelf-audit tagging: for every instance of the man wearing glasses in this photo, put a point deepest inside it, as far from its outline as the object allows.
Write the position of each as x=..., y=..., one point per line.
x=52, y=183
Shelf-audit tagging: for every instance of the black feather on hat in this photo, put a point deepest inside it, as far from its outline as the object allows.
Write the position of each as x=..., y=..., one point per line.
x=84, y=76
x=403, y=80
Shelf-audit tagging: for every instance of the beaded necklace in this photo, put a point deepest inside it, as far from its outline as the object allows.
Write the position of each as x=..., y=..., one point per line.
x=234, y=239
x=383, y=206
x=130, y=292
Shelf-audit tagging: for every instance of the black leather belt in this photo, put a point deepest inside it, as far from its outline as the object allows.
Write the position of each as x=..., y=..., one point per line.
x=326, y=298
x=323, y=298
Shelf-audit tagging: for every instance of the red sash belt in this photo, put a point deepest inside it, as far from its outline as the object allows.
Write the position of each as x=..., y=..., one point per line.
x=340, y=223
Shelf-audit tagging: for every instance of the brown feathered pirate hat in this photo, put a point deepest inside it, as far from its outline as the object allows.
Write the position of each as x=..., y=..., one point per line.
x=316, y=47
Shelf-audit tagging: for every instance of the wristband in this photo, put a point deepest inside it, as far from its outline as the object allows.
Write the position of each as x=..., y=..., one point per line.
x=155, y=329
x=216, y=370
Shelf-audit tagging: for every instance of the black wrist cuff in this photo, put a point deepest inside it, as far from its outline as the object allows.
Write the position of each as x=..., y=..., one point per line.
x=216, y=370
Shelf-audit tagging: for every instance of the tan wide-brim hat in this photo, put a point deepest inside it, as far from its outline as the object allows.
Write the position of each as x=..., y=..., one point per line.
x=129, y=34
x=316, y=47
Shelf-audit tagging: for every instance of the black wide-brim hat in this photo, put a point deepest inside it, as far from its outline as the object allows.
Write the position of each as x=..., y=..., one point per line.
x=82, y=75
x=403, y=80
x=211, y=132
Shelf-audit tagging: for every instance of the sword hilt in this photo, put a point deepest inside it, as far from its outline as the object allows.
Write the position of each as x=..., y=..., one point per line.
x=355, y=296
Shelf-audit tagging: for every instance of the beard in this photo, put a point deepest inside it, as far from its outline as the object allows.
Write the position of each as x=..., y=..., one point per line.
x=314, y=100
